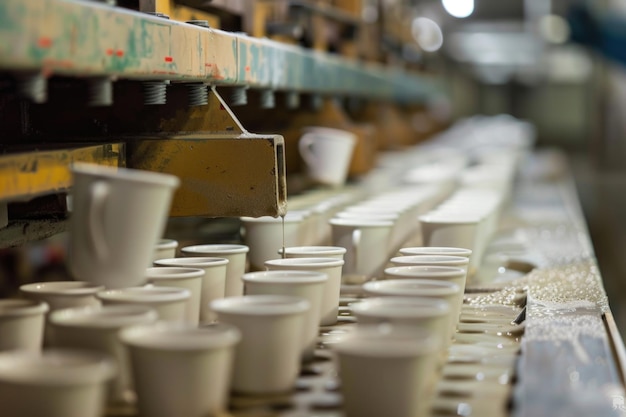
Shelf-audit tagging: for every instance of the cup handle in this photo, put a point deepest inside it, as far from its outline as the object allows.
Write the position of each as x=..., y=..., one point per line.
x=305, y=147
x=98, y=193
x=356, y=240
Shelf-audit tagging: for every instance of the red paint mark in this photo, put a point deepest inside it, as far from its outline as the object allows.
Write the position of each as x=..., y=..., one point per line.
x=208, y=65
x=248, y=68
x=222, y=107
x=169, y=59
x=109, y=51
x=44, y=42
x=119, y=53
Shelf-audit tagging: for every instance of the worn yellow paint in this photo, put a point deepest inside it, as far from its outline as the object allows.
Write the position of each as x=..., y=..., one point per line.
x=221, y=175
x=183, y=13
x=26, y=175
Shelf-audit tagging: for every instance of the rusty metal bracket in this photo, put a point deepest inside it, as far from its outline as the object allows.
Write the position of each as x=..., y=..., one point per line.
x=224, y=172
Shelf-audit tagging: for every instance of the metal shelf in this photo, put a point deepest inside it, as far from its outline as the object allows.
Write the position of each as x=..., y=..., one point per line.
x=89, y=39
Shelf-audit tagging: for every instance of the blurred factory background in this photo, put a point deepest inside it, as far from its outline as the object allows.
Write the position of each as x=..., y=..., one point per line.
x=558, y=64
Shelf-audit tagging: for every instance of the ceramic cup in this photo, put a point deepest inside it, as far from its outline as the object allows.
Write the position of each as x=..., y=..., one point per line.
x=412, y=313
x=118, y=214
x=96, y=328
x=431, y=260
x=264, y=236
x=180, y=369
x=367, y=245
x=22, y=324
x=236, y=255
x=164, y=249
x=63, y=294
x=189, y=279
x=436, y=250
x=387, y=372
x=213, y=281
x=313, y=252
x=327, y=154
x=54, y=383
x=170, y=303
x=267, y=360
x=305, y=284
x=329, y=266
x=444, y=273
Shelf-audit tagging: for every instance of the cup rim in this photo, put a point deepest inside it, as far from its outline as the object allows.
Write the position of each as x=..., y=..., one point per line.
x=312, y=249
x=401, y=307
x=172, y=273
x=260, y=305
x=95, y=316
x=312, y=262
x=192, y=261
x=64, y=288
x=450, y=219
x=147, y=294
x=428, y=271
x=285, y=276
x=16, y=307
x=180, y=336
x=369, y=341
x=51, y=367
x=359, y=222
x=166, y=244
x=427, y=260
x=431, y=250
x=126, y=174
x=402, y=287
x=215, y=248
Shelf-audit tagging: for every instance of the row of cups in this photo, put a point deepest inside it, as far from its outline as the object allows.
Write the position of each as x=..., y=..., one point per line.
x=269, y=331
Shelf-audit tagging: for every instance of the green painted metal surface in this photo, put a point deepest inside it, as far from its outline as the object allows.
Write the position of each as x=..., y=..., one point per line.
x=90, y=39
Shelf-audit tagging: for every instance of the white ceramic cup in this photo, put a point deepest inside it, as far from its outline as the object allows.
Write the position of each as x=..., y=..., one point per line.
x=189, y=279
x=304, y=284
x=63, y=294
x=436, y=250
x=313, y=252
x=367, y=245
x=386, y=372
x=236, y=255
x=22, y=324
x=327, y=154
x=213, y=281
x=96, y=328
x=431, y=260
x=118, y=214
x=54, y=383
x=170, y=303
x=332, y=287
x=264, y=237
x=164, y=249
x=444, y=273
x=180, y=369
x=267, y=360
x=412, y=313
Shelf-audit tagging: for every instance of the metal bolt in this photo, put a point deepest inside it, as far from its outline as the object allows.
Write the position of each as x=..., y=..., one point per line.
x=33, y=87
x=198, y=94
x=292, y=100
x=155, y=92
x=201, y=23
x=100, y=91
x=239, y=96
x=268, y=99
x=316, y=101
